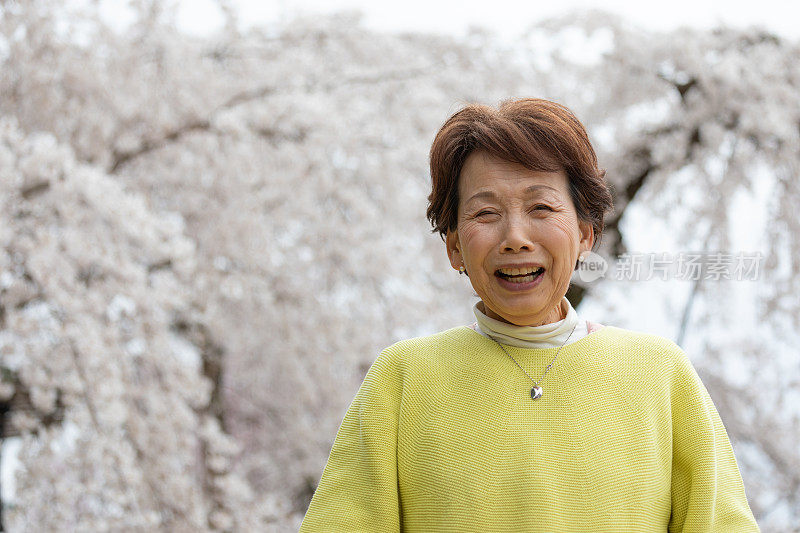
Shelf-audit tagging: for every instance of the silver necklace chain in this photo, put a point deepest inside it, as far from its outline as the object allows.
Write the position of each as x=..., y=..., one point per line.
x=536, y=391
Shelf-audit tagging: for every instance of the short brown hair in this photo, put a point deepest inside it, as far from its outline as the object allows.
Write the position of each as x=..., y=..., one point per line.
x=538, y=134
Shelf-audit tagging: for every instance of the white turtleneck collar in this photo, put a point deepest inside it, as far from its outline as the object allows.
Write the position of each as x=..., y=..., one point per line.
x=545, y=336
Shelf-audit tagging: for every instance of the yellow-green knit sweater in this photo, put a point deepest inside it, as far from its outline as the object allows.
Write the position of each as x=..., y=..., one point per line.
x=443, y=436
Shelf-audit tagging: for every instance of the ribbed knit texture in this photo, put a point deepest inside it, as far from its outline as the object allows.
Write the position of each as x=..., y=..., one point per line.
x=443, y=436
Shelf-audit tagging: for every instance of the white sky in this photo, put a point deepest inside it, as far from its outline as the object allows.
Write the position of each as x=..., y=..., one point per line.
x=505, y=17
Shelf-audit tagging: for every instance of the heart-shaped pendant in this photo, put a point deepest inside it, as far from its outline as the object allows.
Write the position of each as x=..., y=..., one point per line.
x=536, y=393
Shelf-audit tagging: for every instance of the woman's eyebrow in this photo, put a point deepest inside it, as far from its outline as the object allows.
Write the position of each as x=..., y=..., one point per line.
x=481, y=195
x=535, y=188
x=529, y=190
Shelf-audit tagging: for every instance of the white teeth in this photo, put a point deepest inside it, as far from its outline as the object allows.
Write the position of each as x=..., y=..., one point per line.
x=517, y=271
x=523, y=279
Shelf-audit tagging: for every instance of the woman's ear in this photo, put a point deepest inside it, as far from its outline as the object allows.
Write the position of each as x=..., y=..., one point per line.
x=454, y=249
x=587, y=235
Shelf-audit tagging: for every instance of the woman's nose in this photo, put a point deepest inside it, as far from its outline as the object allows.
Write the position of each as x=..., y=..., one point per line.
x=516, y=237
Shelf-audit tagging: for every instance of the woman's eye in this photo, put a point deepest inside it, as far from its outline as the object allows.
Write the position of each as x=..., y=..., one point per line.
x=541, y=206
x=484, y=213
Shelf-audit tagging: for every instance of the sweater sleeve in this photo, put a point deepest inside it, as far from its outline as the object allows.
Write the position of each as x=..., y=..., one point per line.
x=707, y=489
x=358, y=489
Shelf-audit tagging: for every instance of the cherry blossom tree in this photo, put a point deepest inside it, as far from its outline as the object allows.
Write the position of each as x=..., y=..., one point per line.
x=206, y=241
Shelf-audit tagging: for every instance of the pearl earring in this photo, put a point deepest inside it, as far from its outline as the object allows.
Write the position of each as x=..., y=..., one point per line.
x=461, y=269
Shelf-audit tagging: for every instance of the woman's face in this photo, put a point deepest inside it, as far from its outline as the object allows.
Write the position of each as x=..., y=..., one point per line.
x=511, y=222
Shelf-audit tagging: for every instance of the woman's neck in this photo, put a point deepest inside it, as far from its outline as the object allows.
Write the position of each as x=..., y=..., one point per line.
x=559, y=312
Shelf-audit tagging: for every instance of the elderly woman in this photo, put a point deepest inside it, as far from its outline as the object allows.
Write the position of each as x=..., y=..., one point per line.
x=531, y=419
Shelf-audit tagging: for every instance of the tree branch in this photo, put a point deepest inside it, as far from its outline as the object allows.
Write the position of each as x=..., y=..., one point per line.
x=120, y=158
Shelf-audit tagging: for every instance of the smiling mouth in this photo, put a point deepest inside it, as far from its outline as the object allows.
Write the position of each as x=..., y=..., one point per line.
x=516, y=275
